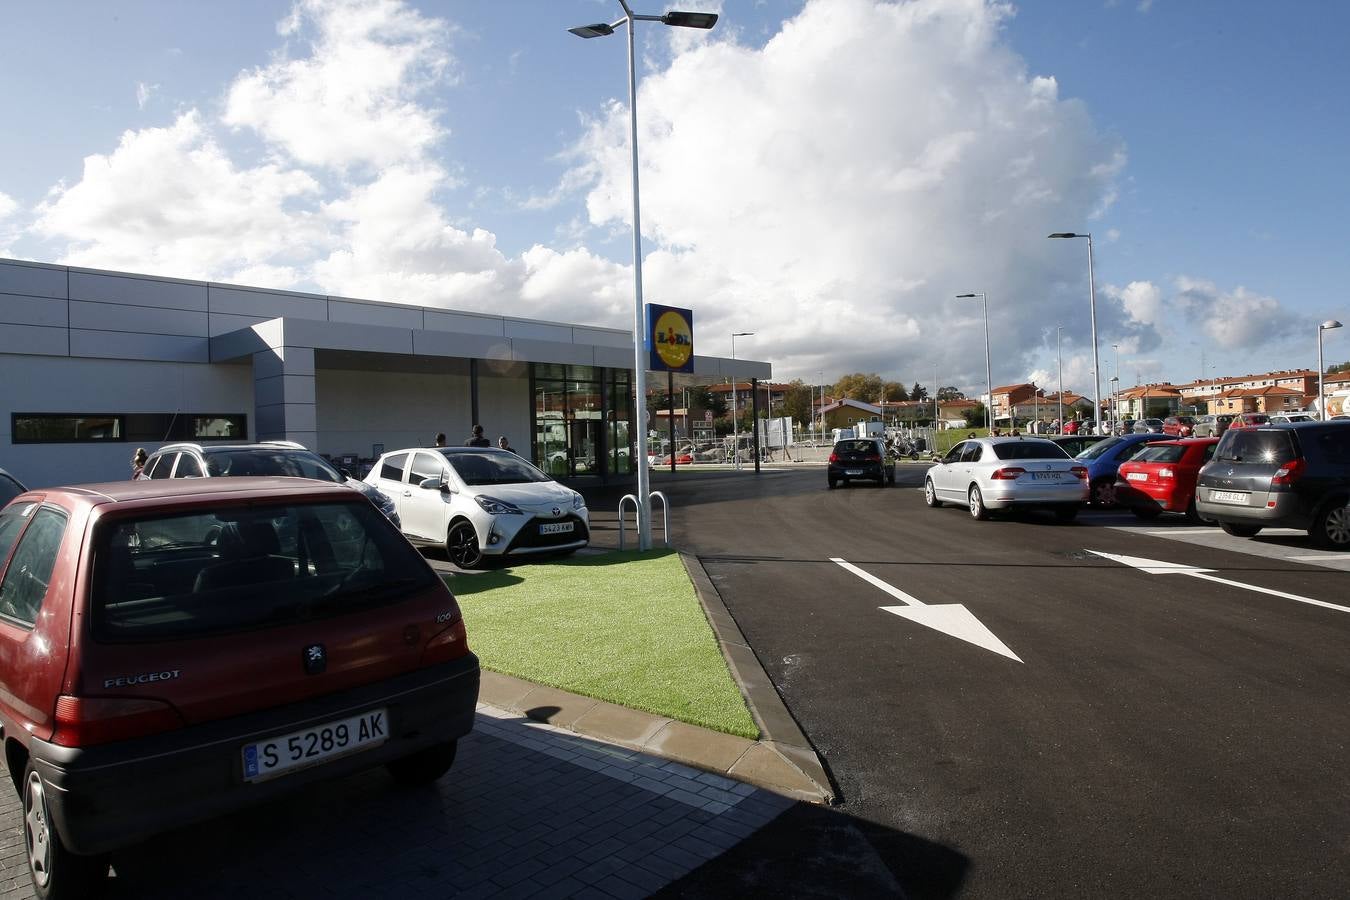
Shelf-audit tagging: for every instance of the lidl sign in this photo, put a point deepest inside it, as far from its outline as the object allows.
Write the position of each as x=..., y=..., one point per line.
x=670, y=338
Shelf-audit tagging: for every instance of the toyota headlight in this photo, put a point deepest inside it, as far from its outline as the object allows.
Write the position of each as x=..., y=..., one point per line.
x=497, y=507
x=578, y=501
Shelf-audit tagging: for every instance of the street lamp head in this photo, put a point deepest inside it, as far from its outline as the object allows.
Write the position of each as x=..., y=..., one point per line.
x=600, y=29
x=1066, y=234
x=1328, y=324
x=690, y=19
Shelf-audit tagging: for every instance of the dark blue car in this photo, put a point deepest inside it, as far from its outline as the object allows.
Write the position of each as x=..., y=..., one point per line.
x=1105, y=458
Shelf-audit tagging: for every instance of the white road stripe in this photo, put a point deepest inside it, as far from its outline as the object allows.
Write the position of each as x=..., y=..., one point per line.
x=1321, y=557
x=1273, y=593
x=877, y=582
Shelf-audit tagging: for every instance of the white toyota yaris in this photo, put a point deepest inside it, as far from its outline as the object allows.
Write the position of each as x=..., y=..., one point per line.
x=480, y=502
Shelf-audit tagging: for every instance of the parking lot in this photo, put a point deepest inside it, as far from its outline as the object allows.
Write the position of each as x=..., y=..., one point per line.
x=1102, y=708
x=1012, y=707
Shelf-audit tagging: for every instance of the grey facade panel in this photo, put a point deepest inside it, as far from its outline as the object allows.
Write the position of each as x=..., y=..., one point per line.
x=614, y=358
x=385, y=314
x=34, y=339
x=124, y=345
x=603, y=337
x=346, y=336
x=32, y=280
x=538, y=331
x=224, y=323
x=143, y=319
x=29, y=310
x=268, y=304
x=97, y=287
x=465, y=323
x=550, y=352
x=473, y=346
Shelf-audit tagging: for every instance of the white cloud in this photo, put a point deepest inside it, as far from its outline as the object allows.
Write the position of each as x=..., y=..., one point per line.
x=838, y=185
x=353, y=100
x=7, y=205
x=170, y=200
x=143, y=92
x=1233, y=319
x=1143, y=302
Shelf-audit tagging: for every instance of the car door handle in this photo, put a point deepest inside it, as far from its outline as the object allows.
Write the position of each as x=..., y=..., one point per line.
x=407, y=493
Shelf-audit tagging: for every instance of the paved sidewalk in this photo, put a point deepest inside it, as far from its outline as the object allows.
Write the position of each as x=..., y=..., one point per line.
x=529, y=809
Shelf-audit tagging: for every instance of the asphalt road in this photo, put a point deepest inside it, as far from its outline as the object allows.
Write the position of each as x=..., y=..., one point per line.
x=1163, y=735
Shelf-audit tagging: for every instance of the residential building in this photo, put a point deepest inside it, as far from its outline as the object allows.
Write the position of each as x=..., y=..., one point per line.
x=846, y=413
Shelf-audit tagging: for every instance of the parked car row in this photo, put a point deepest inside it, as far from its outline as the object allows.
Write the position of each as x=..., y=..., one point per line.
x=1257, y=475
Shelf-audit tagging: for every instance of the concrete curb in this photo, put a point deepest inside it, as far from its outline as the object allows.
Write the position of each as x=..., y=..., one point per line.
x=782, y=761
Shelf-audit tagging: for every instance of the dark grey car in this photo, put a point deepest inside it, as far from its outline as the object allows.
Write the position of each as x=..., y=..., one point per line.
x=1287, y=476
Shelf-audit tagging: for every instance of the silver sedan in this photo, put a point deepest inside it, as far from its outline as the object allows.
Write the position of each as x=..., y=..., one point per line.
x=986, y=474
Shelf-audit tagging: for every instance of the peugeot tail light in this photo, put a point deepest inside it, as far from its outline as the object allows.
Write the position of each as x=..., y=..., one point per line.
x=86, y=721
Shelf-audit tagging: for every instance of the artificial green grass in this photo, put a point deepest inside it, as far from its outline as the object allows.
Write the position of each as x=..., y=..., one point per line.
x=624, y=627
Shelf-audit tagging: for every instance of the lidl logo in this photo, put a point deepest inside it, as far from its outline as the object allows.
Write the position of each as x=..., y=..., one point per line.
x=670, y=338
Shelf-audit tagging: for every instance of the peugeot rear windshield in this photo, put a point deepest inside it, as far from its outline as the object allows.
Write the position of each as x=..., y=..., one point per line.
x=248, y=567
x=1029, y=450
x=1267, y=447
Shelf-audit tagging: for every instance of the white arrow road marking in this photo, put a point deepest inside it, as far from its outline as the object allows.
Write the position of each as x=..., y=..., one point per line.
x=1158, y=567
x=949, y=618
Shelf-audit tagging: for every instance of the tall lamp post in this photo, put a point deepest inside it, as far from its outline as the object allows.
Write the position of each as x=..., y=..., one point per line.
x=684, y=20
x=988, y=367
x=735, y=413
x=1059, y=365
x=1092, y=300
x=1321, y=392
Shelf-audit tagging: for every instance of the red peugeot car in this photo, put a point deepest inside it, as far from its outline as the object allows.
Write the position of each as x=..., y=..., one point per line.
x=1161, y=478
x=173, y=650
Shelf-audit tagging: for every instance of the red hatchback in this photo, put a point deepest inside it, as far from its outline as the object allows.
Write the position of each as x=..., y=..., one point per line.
x=1161, y=478
x=173, y=650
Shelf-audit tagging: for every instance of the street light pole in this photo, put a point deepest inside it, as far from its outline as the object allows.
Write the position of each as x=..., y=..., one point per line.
x=735, y=418
x=685, y=20
x=1059, y=365
x=1092, y=300
x=988, y=366
x=1321, y=391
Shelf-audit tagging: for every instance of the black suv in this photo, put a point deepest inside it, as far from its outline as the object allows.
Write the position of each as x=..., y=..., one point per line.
x=1289, y=476
x=861, y=458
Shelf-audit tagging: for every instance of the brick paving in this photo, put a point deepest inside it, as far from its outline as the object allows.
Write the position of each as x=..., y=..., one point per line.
x=529, y=810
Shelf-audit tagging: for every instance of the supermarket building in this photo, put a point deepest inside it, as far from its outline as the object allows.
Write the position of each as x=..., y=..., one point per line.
x=97, y=363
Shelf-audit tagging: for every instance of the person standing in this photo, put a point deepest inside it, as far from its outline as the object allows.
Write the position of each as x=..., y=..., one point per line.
x=439, y=439
x=476, y=439
x=138, y=463
x=504, y=444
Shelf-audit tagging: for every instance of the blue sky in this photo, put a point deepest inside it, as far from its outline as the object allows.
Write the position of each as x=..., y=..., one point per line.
x=825, y=173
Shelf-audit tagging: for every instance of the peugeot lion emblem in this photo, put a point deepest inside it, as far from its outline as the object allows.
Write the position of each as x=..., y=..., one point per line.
x=316, y=659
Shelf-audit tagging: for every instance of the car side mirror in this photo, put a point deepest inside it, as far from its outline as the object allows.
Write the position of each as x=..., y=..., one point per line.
x=435, y=483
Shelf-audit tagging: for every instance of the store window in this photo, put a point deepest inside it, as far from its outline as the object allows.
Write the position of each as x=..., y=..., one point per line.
x=581, y=416
x=140, y=428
